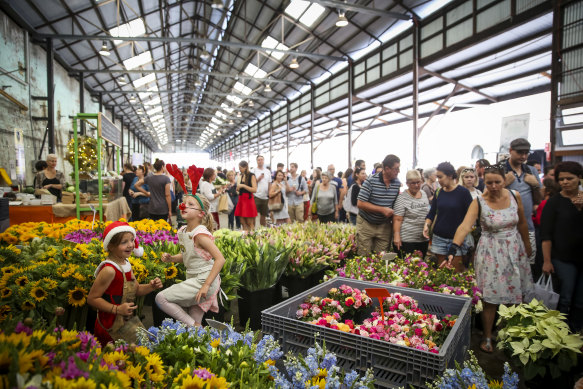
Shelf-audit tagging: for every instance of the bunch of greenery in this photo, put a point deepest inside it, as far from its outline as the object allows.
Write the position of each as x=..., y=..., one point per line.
x=539, y=338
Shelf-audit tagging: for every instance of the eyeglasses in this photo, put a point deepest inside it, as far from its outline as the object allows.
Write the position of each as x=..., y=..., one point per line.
x=468, y=170
x=494, y=168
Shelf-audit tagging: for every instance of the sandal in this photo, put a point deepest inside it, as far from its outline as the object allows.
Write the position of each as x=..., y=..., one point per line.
x=486, y=345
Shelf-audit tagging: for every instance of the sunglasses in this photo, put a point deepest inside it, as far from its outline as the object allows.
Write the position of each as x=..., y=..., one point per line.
x=468, y=170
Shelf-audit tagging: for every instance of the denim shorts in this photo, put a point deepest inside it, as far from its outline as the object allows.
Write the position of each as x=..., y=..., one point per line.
x=441, y=246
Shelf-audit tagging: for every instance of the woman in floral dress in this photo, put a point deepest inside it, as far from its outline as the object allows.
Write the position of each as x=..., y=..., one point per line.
x=502, y=266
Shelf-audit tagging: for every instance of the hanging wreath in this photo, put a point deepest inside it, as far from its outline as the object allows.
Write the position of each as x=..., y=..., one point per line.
x=87, y=153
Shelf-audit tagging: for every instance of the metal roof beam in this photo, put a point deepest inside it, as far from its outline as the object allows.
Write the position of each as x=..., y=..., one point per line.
x=192, y=71
x=192, y=40
x=193, y=91
x=423, y=71
x=361, y=9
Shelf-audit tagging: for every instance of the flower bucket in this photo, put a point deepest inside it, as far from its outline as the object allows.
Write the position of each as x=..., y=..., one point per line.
x=293, y=285
x=75, y=318
x=252, y=303
x=316, y=277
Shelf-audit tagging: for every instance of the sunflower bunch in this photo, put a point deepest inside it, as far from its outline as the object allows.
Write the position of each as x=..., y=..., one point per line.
x=68, y=359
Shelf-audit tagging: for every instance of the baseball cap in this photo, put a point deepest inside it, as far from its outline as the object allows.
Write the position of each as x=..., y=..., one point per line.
x=520, y=144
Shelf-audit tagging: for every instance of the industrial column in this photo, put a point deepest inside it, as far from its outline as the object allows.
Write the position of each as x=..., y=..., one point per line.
x=350, y=90
x=50, y=96
x=415, y=90
x=312, y=100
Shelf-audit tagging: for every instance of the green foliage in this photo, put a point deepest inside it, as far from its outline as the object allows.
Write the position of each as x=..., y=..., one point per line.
x=539, y=338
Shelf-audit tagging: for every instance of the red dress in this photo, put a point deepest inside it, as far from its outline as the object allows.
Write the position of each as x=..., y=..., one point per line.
x=246, y=204
x=113, y=295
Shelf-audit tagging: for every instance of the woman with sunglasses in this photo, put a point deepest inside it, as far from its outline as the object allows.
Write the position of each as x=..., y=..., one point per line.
x=502, y=267
x=469, y=180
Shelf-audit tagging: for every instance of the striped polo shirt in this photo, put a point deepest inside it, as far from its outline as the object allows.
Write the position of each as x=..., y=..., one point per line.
x=375, y=191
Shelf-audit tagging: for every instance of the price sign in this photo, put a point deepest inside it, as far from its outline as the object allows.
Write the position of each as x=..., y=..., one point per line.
x=108, y=131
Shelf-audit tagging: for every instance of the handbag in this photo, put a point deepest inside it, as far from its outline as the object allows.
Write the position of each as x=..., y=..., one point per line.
x=315, y=203
x=223, y=206
x=275, y=203
x=543, y=291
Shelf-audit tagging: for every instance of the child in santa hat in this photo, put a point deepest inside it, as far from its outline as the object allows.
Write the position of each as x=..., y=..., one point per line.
x=115, y=288
x=188, y=301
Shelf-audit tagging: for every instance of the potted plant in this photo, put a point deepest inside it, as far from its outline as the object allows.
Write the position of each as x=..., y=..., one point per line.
x=540, y=341
x=265, y=263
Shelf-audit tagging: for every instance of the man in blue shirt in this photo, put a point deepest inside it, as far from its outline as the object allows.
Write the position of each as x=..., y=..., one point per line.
x=525, y=180
x=374, y=223
x=297, y=187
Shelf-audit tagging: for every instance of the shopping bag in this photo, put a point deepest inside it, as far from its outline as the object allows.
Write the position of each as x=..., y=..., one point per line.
x=223, y=203
x=275, y=203
x=543, y=291
x=230, y=205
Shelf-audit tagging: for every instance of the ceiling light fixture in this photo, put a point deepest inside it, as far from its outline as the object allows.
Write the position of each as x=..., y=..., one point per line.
x=217, y=4
x=197, y=82
x=239, y=114
x=231, y=122
x=205, y=54
x=342, y=21
x=104, y=49
x=267, y=88
x=251, y=103
x=122, y=80
x=132, y=99
x=294, y=64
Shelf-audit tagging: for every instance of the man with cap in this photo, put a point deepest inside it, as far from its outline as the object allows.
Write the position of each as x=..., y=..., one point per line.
x=525, y=180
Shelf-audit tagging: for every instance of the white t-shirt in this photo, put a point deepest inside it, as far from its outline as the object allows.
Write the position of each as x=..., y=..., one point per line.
x=263, y=184
x=208, y=190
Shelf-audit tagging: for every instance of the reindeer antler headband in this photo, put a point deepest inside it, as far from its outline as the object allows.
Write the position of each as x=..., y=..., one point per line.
x=194, y=173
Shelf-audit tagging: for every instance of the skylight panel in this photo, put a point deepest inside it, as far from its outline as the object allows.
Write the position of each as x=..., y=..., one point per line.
x=154, y=111
x=234, y=99
x=134, y=28
x=220, y=114
x=296, y=8
x=312, y=14
x=213, y=125
x=144, y=95
x=271, y=43
x=254, y=71
x=138, y=60
x=242, y=88
x=226, y=108
x=154, y=101
x=144, y=80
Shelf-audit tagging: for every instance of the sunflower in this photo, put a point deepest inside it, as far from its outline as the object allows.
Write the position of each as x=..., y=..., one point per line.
x=79, y=383
x=8, y=270
x=217, y=383
x=22, y=281
x=27, y=305
x=50, y=283
x=171, y=272
x=77, y=296
x=5, y=361
x=5, y=293
x=154, y=368
x=38, y=293
x=193, y=383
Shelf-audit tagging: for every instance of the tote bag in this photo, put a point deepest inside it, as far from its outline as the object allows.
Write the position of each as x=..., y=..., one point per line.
x=223, y=206
x=543, y=291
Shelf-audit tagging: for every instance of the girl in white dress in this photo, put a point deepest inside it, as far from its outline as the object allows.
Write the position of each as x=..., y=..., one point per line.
x=189, y=300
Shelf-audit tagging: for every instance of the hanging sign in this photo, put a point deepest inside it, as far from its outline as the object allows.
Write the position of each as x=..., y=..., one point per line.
x=108, y=130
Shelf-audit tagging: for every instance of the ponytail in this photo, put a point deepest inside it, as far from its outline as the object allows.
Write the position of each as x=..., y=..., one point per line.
x=207, y=219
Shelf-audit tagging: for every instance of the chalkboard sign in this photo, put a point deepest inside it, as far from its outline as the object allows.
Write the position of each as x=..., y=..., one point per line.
x=108, y=131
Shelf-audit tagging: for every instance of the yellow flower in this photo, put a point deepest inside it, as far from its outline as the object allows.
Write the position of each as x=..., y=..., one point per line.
x=124, y=379
x=215, y=343
x=80, y=383
x=50, y=284
x=112, y=358
x=322, y=373
x=171, y=272
x=217, y=383
x=154, y=368
x=473, y=386
x=495, y=384
x=70, y=337
x=21, y=340
x=27, y=305
x=39, y=294
x=135, y=373
x=22, y=281
x=77, y=296
x=144, y=351
x=5, y=293
x=9, y=270
x=193, y=382
x=5, y=361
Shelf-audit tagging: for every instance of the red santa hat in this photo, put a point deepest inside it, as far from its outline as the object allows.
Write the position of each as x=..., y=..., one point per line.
x=116, y=228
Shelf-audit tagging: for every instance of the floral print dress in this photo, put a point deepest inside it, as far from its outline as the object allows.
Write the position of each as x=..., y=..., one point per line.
x=502, y=266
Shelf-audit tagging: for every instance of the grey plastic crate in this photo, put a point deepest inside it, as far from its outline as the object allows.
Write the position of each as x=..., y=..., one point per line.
x=393, y=365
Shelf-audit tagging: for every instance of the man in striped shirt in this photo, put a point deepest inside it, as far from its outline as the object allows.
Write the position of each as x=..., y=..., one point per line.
x=374, y=224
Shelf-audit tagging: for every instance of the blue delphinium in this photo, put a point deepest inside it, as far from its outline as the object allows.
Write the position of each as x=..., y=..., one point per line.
x=267, y=349
x=510, y=378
